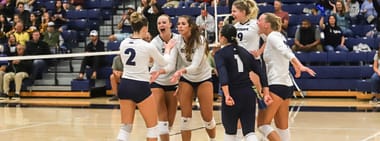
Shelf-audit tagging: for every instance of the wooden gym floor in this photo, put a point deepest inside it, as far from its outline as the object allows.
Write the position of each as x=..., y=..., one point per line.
x=97, y=119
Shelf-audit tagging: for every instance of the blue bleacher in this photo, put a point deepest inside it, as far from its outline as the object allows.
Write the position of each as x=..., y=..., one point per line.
x=361, y=30
x=351, y=42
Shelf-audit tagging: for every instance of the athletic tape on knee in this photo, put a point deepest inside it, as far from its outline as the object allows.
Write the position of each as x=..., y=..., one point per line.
x=266, y=129
x=250, y=137
x=163, y=127
x=210, y=125
x=284, y=134
x=185, y=123
x=152, y=132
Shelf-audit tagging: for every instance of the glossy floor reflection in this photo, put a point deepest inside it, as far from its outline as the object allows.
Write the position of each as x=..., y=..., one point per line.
x=97, y=119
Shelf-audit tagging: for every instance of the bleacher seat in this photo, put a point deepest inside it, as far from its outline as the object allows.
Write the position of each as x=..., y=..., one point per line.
x=50, y=5
x=266, y=8
x=317, y=57
x=351, y=42
x=296, y=8
x=220, y=10
x=113, y=46
x=303, y=57
x=94, y=14
x=93, y=25
x=292, y=31
x=89, y=4
x=80, y=85
x=70, y=38
x=358, y=58
x=107, y=4
x=361, y=30
x=78, y=24
x=337, y=57
x=290, y=42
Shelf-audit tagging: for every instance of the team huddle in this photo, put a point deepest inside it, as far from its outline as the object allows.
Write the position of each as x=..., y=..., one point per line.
x=180, y=71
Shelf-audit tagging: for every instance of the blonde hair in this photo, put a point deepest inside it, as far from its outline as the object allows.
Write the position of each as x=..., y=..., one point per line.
x=138, y=21
x=273, y=20
x=249, y=6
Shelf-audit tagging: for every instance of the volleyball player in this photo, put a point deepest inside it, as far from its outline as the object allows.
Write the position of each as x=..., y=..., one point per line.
x=245, y=14
x=134, y=88
x=194, y=75
x=277, y=56
x=234, y=64
x=163, y=89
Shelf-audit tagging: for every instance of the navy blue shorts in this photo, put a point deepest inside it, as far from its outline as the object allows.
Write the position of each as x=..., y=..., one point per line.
x=134, y=90
x=194, y=84
x=165, y=88
x=282, y=91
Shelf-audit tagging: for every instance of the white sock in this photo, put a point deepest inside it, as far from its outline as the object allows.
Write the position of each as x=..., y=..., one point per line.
x=212, y=139
x=229, y=137
x=251, y=137
x=239, y=134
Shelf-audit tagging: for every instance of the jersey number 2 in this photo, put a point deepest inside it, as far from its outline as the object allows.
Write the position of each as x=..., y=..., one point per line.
x=132, y=56
x=239, y=63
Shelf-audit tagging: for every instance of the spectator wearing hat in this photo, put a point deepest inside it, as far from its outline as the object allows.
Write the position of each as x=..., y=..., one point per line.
x=206, y=24
x=52, y=37
x=124, y=25
x=94, y=62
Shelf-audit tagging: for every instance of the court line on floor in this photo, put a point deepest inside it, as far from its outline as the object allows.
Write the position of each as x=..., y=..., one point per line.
x=194, y=129
x=24, y=127
x=371, y=137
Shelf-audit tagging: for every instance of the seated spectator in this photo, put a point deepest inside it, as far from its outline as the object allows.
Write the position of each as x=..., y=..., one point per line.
x=59, y=15
x=5, y=27
x=200, y=3
x=34, y=23
x=117, y=71
x=171, y=4
x=38, y=47
x=45, y=19
x=375, y=78
x=9, y=9
x=28, y=4
x=377, y=8
x=95, y=62
x=10, y=46
x=52, y=38
x=308, y=38
x=3, y=67
x=368, y=11
x=124, y=25
x=206, y=24
x=21, y=36
x=24, y=14
x=16, y=71
x=340, y=11
x=354, y=9
x=332, y=34
x=283, y=15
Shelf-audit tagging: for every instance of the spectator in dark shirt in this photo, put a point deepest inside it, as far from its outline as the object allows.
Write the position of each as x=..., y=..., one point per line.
x=152, y=12
x=334, y=39
x=95, y=62
x=308, y=38
x=59, y=15
x=17, y=71
x=37, y=47
x=24, y=14
x=5, y=27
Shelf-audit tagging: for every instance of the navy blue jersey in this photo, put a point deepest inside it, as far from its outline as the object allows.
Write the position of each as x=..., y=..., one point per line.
x=233, y=66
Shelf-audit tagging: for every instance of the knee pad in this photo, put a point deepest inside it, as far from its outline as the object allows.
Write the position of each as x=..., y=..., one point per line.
x=266, y=129
x=251, y=137
x=185, y=123
x=210, y=125
x=163, y=127
x=152, y=132
x=284, y=134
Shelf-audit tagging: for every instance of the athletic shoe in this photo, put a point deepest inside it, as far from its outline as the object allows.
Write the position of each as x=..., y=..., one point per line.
x=16, y=97
x=114, y=98
x=3, y=96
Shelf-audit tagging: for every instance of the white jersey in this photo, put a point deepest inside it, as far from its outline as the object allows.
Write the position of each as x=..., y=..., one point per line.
x=164, y=79
x=277, y=56
x=135, y=55
x=248, y=35
x=197, y=69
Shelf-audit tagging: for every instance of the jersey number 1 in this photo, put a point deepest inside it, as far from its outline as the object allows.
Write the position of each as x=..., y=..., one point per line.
x=132, y=56
x=239, y=63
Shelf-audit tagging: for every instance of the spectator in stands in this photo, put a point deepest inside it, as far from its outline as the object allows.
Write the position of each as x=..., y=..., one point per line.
x=37, y=47
x=282, y=14
x=45, y=19
x=324, y=7
x=340, y=10
x=67, y=6
x=377, y=8
x=354, y=9
x=59, y=15
x=152, y=12
x=24, y=14
x=206, y=24
x=9, y=9
x=368, y=11
x=52, y=37
x=5, y=27
x=117, y=72
x=143, y=4
x=28, y=4
x=200, y=3
x=17, y=71
x=171, y=4
x=95, y=62
x=375, y=78
x=10, y=46
x=332, y=34
x=3, y=67
x=308, y=38
x=35, y=23
x=21, y=36
x=124, y=25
